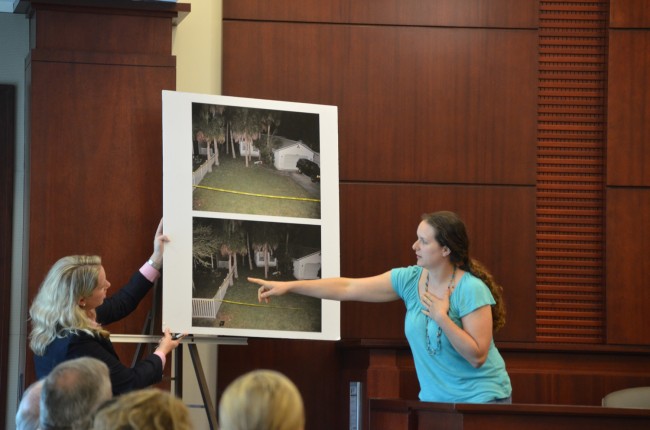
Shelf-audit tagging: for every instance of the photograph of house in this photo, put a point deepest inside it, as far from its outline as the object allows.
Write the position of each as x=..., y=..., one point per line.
x=287, y=155
x=226, y=252
x=246, y=160
x=307, y=266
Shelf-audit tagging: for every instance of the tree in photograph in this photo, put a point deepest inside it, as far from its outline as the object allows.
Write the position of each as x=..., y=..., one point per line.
x=232, y=242
x=210, y=127
x=246, y=127
x=204, y=245
x=266, y=238
x=230, y=139
x=270, y=118
x=202, y=140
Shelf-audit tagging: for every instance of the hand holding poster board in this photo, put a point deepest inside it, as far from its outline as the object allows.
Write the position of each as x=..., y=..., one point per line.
x=260, y=199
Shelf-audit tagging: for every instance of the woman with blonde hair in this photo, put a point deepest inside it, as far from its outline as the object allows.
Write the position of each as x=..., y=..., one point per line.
x=70, y=309
x=261, y=400
x=146, y=409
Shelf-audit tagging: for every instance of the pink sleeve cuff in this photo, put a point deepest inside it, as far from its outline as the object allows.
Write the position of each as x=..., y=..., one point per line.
x=149, y=272
x=162, y=357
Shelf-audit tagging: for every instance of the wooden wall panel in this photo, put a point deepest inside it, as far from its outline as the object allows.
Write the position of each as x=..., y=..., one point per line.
x=629, y=13
x=447, y=13
x=539, y=375
x=628, y=157
x=97, y=158
x=103, y=32
x=410, y=108
x=444, y=104
x=571, y=172
x=573, y=378
x=311, y=365
x=377, y=240
x=628, y=134
x=628, y=266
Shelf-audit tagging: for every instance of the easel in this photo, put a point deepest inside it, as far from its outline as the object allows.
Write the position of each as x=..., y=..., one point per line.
x=148, y=339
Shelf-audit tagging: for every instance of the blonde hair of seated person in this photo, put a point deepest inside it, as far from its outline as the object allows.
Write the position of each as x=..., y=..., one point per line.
x=144, y=409
x=261, y=400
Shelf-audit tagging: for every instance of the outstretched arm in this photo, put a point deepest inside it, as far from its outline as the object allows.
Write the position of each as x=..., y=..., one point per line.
x=372, y=289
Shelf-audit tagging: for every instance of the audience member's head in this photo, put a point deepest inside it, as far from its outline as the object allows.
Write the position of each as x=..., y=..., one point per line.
x=72, y=392
x=261, y=400
x=145, y=409
x=28, y=412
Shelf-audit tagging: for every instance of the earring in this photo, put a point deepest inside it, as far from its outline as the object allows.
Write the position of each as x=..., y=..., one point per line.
x=83, y=305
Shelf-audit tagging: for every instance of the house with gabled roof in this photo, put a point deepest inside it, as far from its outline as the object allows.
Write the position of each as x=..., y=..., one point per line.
x=290, y=151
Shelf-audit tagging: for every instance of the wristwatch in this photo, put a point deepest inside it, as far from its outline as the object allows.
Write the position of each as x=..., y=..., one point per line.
x=154, y=264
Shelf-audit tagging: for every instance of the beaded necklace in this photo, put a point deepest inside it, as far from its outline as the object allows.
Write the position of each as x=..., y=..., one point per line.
x=434, y=351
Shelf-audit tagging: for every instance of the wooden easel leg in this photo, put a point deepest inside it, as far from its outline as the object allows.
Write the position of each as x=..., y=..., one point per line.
x=203, y=386
x=178, y=371
x=147, y=327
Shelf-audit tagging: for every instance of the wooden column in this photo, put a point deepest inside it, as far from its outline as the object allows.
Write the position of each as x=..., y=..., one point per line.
x=95, y=72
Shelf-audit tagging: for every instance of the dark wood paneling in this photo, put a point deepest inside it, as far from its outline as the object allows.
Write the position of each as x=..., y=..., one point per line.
x=448, y=13
x=572, y=378
x=628, y=136
x=96, y=138
x=629, y=13
x=484, y=102
x=408, y=415
x=571, y=173
x=119, y=33
x=385, y=370
x=7, y=152
x=379, y=229
x=415, y=104
x=628, y=266
x=540, y=373
x=96, y=163
x=115, y=59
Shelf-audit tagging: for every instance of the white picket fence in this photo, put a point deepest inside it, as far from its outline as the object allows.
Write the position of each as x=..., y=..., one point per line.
x=204, y=308
x=209, y=308
x=199, y=174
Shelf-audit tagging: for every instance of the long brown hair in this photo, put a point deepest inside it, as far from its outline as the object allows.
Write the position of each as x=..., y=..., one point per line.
x=450, y=232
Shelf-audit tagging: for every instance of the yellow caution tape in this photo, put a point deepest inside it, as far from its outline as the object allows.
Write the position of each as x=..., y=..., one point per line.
x=255, y=305
x=257, y=195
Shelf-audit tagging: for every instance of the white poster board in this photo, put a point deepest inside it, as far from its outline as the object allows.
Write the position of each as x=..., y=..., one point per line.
x=250, y=188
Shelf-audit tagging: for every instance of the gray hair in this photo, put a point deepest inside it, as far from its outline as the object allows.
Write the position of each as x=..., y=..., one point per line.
x=28, y=412
x=72, y=392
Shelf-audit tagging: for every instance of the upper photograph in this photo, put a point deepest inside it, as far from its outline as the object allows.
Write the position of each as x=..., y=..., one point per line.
x=256, y=161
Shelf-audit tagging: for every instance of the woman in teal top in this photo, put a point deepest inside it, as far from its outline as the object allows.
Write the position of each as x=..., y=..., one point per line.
x=453, y=307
